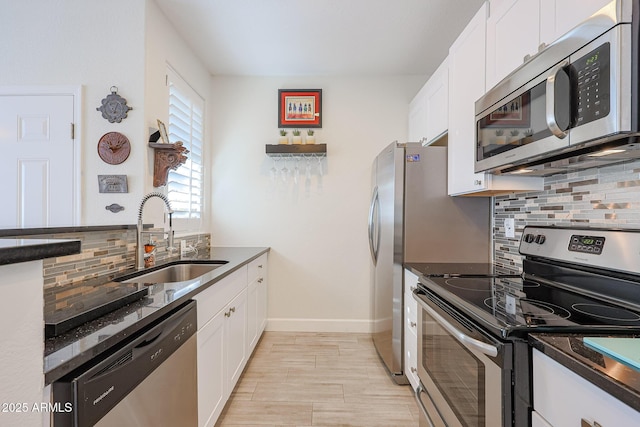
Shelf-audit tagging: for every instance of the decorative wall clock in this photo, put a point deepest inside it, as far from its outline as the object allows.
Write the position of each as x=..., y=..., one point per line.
x=114, y=148
x=114, y=107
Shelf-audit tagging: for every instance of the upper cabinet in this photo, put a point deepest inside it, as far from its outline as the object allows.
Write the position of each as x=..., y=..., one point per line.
x=466, y=85
x=517, y=29
x=428, y=118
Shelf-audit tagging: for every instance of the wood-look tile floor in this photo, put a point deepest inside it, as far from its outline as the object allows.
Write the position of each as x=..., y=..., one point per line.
x=318, y=379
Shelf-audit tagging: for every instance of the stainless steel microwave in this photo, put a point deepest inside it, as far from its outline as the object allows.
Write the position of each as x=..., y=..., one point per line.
x=574, y=105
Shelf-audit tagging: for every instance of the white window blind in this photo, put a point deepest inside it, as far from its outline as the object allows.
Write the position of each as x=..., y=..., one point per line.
x=186, y=124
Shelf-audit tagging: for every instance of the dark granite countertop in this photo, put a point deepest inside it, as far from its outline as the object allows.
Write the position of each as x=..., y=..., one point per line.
x=19, y=232
x=70, y=350
x=13, y=251
x=617, y=379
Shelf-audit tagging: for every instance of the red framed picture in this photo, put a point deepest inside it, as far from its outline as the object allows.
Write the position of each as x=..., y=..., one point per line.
x=299, y=108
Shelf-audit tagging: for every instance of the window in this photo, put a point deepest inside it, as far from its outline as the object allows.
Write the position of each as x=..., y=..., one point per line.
x=186, y=124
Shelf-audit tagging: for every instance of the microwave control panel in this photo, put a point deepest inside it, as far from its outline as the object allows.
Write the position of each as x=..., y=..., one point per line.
x=593, y=85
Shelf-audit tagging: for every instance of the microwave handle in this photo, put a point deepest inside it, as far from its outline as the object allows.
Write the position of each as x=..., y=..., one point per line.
x=551, y=101
x=465, y=339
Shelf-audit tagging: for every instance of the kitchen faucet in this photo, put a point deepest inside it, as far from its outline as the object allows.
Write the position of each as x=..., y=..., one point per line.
x=139, y=243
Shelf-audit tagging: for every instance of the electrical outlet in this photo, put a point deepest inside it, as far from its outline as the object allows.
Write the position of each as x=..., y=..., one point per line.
x=510, y=227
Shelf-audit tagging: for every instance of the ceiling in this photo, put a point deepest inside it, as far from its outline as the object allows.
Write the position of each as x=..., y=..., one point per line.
x=320, y=37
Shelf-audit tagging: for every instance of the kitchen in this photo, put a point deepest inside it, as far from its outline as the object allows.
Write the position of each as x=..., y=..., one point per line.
x=245, y=209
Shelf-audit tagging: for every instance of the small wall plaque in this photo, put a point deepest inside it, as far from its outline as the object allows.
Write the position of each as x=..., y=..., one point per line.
x=114, y=208
x=113, y=183
x=114, y=107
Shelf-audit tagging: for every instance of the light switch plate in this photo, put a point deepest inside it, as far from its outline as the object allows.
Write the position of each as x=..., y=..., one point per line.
x=509, y=227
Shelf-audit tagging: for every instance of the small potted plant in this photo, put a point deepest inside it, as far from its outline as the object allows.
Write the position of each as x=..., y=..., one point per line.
x=310, y=139
x=297, y=139
x=500, y=139
x=284, y=139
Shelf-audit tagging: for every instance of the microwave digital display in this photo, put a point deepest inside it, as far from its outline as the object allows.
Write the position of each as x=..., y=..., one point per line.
x=593, y=93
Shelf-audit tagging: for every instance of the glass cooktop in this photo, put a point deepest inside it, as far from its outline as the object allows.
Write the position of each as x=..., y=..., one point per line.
x=514, y=306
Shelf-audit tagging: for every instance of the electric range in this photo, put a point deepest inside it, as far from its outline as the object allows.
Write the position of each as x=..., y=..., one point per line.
x=473, y=321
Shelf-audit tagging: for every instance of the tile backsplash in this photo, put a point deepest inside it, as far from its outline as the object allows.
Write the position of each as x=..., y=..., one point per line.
x=597, y=197
x=104, y=254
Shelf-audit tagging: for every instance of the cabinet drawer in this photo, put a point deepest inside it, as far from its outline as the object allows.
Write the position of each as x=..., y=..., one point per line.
x=258, y=268
x=411, y=358
x=581, y=400
x=213, y=299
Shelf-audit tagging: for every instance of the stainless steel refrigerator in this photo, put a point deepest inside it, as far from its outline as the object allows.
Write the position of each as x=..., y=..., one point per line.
x=412, y=219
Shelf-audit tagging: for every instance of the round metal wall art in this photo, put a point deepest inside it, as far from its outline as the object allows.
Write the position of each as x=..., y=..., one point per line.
x=114, y=107
x=114, y=148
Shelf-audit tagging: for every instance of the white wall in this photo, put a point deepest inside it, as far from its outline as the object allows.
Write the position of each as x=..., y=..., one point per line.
x=319, y=260
x=97, y=45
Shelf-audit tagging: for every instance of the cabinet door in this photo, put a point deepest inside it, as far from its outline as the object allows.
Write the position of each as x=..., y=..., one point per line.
x=512, y=32
x=581, y=400
x=236, y=340
x=557, y=17
x=410, y=330
x=466, y=78
x=211, y=382
x=437, y=101
x=418, y=117
x=538, y=421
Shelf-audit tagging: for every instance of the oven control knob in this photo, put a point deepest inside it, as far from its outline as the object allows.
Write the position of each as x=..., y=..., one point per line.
x=529, y=238
x=540, y=238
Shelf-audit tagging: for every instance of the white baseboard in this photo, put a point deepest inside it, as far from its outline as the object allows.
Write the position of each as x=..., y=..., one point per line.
x=319, y=325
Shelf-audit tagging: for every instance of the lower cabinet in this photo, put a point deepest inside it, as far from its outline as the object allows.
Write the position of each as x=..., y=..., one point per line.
x=232, y=314
x=583, y=404
x=231, y=319
x=410, y=329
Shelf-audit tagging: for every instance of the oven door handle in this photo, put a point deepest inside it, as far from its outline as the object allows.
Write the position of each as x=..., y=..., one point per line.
x=422, y=390
x=484, y=348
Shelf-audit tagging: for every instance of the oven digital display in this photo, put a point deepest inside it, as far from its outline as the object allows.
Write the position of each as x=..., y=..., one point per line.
x=586, y=244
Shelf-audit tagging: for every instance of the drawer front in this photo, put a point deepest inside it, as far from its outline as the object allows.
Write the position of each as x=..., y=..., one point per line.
x=214, y=298
x=411, y=358
x=258, y=268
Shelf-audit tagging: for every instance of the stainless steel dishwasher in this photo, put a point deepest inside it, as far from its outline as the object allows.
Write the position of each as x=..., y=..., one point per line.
x=151, y=380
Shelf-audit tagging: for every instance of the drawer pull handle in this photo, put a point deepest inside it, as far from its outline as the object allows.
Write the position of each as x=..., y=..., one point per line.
x=260, y=280
x=413, y=324
x=414, y=370
x=228, y=313
x=585, y=423
x=260, y=266
x=232, y=309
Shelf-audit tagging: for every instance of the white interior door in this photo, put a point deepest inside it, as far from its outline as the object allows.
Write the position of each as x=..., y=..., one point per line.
x=37, y=161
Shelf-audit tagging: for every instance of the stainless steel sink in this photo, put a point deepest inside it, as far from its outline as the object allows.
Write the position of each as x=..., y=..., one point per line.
x=175, y=273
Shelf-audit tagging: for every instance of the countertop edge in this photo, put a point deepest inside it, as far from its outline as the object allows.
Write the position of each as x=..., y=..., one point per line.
x=24, y=250
x=75, y=362
x=620, y=391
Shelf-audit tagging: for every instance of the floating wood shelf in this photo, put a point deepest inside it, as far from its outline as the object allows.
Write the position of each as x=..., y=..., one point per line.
x=167, y=157
x=296, y=149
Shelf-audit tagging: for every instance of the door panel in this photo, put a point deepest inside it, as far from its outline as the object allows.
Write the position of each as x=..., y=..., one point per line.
x=37, y=165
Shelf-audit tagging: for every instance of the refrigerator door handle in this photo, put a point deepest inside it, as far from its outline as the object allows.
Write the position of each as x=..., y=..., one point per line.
x=374, y=226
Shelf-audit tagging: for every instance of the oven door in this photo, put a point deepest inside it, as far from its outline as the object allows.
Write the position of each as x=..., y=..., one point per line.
x=465, y=374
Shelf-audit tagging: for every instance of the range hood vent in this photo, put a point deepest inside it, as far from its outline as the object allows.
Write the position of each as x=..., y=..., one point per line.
x=577, y=158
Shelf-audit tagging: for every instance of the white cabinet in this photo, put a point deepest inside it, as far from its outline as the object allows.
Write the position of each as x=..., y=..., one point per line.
x=466, y=85
x=257, y=304
x=581, y=400
x=517, y=28
x=222, y=343
x=232, y=315
x=410, y=329
x=512, y=32
x=557, y=17
x=428, y=119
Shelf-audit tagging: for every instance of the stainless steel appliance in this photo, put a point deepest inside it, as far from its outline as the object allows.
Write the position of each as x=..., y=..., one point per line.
x=574, y=105
x=151, y=380
x=474, y=358
x=412, y=219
